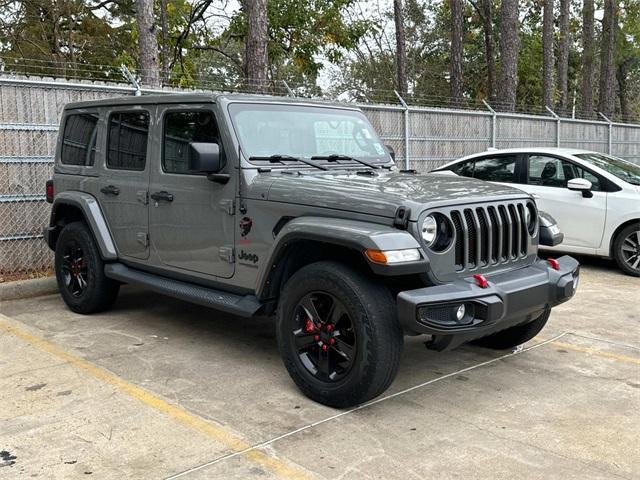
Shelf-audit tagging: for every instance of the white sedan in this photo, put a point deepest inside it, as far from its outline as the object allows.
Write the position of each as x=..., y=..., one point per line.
x=594, y=197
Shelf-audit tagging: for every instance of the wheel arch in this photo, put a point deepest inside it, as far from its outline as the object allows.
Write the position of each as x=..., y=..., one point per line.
x=616, y=232
x=305, y=240
x=74, y=206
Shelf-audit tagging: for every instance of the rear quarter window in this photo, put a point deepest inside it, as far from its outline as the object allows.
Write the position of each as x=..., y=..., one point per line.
x=79, y=139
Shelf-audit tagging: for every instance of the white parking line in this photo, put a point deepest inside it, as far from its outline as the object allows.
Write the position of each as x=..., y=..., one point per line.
x=365, y=405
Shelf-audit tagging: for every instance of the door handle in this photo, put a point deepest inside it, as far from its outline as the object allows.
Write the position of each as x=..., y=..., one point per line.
x=166, y=196
x=110, y=190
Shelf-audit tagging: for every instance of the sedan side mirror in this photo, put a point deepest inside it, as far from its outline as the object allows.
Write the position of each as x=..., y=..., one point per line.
x=392, y=152
x=581, y=185
x=204, y=157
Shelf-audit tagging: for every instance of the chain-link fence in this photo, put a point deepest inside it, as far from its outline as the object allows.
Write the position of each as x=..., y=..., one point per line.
x=422, y=137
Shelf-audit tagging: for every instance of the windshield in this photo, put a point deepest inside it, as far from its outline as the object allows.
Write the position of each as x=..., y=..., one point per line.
x=627, y=171
x=305, y=131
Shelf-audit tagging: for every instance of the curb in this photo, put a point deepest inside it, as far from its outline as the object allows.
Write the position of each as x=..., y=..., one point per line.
x=28, y=288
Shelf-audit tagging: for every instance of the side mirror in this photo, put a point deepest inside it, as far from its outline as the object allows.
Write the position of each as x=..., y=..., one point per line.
x=581, y=185
x=392, y=152
x=204, y=157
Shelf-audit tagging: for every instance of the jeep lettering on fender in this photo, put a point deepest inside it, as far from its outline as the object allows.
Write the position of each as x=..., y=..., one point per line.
x=256, y=205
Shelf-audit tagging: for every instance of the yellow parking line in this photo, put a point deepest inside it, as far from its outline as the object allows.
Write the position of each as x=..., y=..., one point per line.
x=597, y=353
x=176, y=412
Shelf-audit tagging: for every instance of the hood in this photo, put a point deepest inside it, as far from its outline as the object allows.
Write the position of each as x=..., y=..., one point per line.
x=381, y=194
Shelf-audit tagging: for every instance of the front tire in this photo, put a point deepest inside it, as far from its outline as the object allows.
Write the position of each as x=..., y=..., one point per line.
x=80, y=271
x=514, y=336
x=338, y=334
x=626, y=249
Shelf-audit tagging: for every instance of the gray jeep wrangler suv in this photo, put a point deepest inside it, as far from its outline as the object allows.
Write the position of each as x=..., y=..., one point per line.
x=258, y=206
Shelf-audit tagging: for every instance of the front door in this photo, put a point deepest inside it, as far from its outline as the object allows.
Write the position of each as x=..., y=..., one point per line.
x=191, y=219
x=123, y=182
x=581, y=219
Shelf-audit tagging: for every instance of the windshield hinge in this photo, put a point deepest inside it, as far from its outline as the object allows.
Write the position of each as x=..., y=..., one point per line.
x=228, y=205
x=226, y=253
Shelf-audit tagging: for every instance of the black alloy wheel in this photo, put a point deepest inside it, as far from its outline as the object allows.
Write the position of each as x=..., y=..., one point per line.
x=74, y=268
x=324, y=336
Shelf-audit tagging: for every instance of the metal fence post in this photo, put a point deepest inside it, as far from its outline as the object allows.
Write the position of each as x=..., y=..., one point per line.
x=289, y=91
x=406, y=129
x=558, y=119
x=132, y=80
x=610, y=136
x=494, y=119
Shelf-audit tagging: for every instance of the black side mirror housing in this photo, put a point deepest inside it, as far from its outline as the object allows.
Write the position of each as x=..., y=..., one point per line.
x=392, y=152
x=204, y=157
x=550, y=234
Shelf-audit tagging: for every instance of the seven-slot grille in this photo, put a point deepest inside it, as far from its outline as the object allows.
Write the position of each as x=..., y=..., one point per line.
x=490, y=234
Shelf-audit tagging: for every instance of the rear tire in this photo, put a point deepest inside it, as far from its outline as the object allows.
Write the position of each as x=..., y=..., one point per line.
x=347, y=351
x=626, y=249
x=80, y=271
x=514, y=336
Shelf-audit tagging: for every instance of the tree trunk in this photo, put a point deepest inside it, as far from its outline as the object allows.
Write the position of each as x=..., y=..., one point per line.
x=606, y=103
x=485, y=10
x=147, y=43
x=256, y=47
x=164, y=49
x=509, y=50
x=457, y=13
x=622, y=73
x=563, y=56
x=586, y=104
x=401, y=53
x=547, y=54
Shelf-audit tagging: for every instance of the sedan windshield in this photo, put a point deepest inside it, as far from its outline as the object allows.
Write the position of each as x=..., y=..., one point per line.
x=627, y=171
x=329, y=134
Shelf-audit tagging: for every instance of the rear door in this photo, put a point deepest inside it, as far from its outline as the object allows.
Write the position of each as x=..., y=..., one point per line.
x=124, y=180
x=581, y=219
x=191, y=218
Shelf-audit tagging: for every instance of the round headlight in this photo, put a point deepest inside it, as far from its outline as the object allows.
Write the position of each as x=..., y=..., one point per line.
x=429, y=230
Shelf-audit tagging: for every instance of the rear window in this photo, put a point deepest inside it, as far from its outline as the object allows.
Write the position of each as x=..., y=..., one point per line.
x=79, y=139
x=127, y=142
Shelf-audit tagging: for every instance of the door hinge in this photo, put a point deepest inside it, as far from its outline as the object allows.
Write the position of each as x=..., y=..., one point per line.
x=143, y=238
x=143, y=196
x=227, y=254
x=228, y=205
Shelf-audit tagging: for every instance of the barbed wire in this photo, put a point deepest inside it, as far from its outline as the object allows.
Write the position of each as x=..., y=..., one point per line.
x=73, y=70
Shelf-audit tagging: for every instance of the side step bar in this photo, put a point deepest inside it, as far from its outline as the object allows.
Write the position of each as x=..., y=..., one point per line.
x=244, y=306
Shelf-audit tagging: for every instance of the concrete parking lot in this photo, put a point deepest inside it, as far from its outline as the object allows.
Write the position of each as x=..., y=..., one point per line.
x=157, y=388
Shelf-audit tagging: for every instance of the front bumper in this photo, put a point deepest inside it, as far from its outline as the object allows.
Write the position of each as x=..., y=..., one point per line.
x=511, y=298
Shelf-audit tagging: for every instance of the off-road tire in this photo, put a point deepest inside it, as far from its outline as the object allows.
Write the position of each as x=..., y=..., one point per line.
x=514, y=336
x=100, y=292
x=618, y=254
x=372, y=313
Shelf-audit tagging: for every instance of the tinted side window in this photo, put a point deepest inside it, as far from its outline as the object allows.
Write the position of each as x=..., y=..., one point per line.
x=180, y=129
x=554, y=172
x=464, y=169
x=79, y=139
x=127, y=141
x=495, y=169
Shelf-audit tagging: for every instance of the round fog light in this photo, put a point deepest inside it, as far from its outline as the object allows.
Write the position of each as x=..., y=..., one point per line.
x=460, y=312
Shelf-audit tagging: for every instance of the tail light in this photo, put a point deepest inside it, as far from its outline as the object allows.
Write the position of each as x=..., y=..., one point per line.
x=50, y=191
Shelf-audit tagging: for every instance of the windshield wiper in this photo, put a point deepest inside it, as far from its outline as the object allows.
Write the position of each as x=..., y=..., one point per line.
x=334, y=157
x=277, y=158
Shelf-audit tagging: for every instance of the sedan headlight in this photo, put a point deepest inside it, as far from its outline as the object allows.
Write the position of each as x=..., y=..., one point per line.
x=531, y=219
x=436, y=232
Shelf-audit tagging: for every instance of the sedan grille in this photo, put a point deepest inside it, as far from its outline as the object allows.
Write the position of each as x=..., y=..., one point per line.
x=489, y=235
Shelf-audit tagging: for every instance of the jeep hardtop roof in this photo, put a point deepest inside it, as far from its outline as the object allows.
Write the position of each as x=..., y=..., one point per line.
x=203, y=98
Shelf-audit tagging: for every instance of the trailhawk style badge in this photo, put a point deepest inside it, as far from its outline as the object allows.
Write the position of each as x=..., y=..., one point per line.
x=245, y=228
